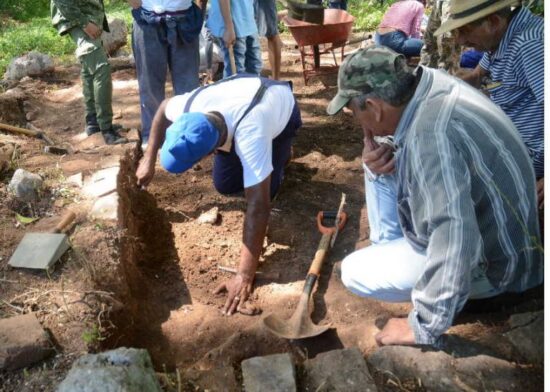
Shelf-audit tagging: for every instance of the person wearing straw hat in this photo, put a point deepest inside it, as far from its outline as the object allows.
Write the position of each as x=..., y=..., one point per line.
x=513, y=42
x=460, y=181
x=248, y=123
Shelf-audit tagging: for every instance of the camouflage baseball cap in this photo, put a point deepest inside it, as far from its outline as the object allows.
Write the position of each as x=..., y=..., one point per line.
x=373, y=69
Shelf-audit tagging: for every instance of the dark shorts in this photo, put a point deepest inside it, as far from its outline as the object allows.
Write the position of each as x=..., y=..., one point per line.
x=228, y=170
x=266, y=17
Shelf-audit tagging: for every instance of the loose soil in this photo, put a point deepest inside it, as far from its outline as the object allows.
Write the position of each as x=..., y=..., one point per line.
x=148, y=281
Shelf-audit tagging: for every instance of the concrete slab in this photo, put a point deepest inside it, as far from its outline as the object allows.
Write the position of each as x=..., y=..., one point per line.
x=39, y=250
x=105, y=207
x=23, y=342
x=274, y=373
x=101, y=183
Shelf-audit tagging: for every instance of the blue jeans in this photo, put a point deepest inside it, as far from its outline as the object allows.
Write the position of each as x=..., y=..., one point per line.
x=398, y=41
x=338, y=4
x=248, y=55
x=157, y=49
x=389, y=269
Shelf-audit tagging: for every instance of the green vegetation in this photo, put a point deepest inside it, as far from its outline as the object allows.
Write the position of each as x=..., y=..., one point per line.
x=25, y=25
x=368, y=13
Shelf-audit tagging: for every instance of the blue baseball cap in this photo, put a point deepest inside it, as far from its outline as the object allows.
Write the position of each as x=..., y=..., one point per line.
x=190, y=138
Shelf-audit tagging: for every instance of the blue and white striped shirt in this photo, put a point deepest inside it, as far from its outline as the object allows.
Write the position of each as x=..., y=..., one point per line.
x=516, y=69
x=466, y=197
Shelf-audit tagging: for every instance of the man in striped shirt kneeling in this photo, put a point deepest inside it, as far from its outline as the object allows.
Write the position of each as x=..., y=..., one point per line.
x=450, y=195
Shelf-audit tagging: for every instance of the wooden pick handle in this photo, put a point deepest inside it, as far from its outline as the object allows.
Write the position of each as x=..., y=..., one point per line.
x=232, y=60
x=65, y=221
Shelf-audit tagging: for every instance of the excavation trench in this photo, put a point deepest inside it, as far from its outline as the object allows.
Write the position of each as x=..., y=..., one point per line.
x=168, y=263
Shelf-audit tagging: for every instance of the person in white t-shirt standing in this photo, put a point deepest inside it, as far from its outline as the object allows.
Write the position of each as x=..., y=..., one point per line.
x=249, y=123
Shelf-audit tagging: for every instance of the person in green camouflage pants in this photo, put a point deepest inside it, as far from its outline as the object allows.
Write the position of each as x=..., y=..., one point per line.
x=440, y=52
x=84, y=21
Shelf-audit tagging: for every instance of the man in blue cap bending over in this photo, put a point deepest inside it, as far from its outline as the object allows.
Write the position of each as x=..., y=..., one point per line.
x=249, y=123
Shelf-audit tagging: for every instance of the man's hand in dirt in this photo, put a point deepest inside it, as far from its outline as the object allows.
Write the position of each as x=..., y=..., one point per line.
x=134, y=3
x=92, y=30
x=378, y=158
x=540, y=193
x=238, y=289
x=397, y=331
x=145, y=171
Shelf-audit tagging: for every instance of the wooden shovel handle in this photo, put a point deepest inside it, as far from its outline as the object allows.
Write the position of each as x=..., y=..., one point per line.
x=232, y=60
x=21, y=131
x=65, y=221
x=322, y=249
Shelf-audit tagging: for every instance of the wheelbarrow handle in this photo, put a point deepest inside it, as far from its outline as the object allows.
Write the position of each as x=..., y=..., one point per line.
x=330, y=214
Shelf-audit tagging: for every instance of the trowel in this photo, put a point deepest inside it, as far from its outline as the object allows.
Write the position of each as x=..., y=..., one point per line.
x=42, y=250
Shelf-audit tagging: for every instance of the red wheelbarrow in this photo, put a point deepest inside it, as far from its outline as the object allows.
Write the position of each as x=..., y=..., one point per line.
x=315, y=40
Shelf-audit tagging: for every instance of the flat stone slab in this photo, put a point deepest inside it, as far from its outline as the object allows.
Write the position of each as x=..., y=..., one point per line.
x=338, y=370
x=23, y=342
x=274, y=373
x=439, y=371
x=527, y=335
x=219, y=379
x=101, y=183
x=123, y=369
x=105, y=207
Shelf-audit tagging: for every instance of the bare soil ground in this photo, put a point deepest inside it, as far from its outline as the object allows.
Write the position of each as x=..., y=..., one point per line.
x=148, y=282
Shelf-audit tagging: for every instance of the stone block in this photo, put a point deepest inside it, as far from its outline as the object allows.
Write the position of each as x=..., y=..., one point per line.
x=527, y=335
x=338, y=370
x=23, y=342
x=274, y=373
x=123, y=369
x=31, y=64
x=116, y=38
x=105, y=207
x=101, y=183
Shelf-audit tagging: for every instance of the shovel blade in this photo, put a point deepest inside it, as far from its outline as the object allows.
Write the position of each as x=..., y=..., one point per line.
x=39, y=250
x=297, y=327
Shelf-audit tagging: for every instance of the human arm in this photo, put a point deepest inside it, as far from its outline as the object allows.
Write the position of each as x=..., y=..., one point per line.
x=146, y=167
x=229, y=30
x=474, y=77
x=255, y=225
x=443, y=215
x=134, y=3
x=416, y=21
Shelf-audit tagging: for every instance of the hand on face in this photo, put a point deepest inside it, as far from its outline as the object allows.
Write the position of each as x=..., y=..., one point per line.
x=378, y=158
x=397, y=331
x=238, y=289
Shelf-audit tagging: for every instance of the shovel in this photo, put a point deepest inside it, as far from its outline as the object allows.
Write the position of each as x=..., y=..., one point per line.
x=41, y=250
x=300, y=326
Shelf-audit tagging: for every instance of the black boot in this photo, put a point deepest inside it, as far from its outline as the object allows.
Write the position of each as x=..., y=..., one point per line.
x=113, y=137
x=91, y=124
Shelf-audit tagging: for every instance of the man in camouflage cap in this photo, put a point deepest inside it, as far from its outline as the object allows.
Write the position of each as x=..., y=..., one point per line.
x=450, y=195
x=84, y=21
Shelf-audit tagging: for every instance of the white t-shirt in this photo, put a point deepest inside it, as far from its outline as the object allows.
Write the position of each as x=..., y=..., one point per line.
x=160, y=6
x=254, y=137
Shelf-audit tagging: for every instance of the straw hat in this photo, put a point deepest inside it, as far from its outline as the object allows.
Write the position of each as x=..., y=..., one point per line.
x=467, y=11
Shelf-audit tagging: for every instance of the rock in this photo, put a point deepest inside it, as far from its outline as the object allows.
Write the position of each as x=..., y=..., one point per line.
x=101, y=183
x=123, y=369
x=31, y=64
x=23, y=342
x=270, y=373
x=6, y=155
x=527, y=335
x=219, y=379
x=25, y=185
x=105, y=207
x=116, y=38
x=338, y=370
x=439, y=371
x=209, y=217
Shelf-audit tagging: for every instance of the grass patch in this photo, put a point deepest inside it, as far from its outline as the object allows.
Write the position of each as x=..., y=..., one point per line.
x=26, y=34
